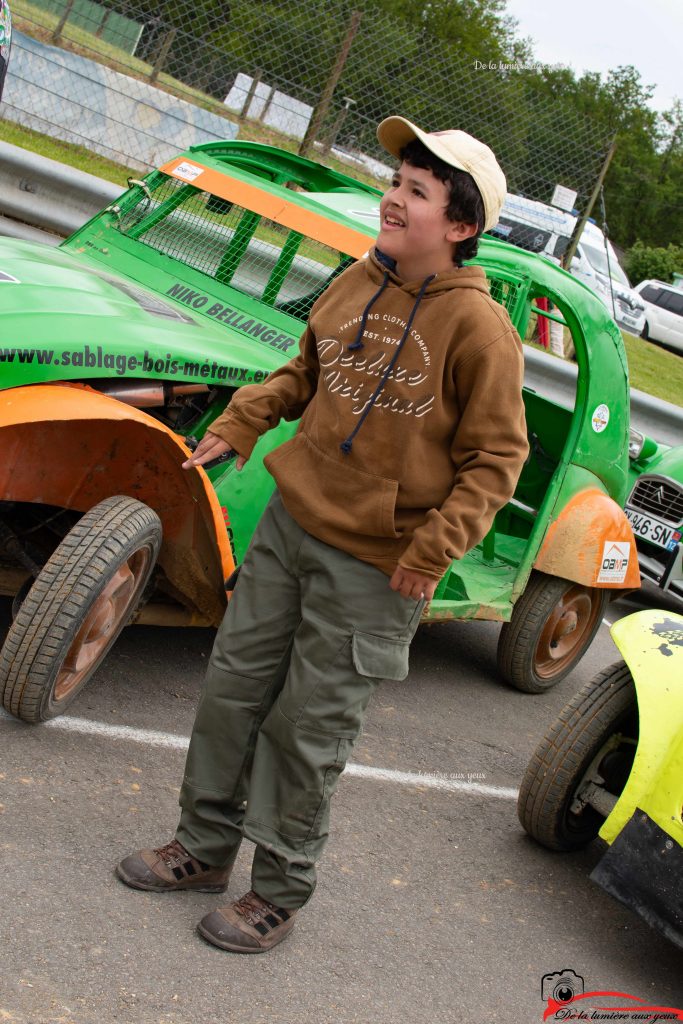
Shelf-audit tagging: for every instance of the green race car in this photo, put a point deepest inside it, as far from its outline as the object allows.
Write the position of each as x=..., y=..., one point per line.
x=654, y=507
x=118, y=350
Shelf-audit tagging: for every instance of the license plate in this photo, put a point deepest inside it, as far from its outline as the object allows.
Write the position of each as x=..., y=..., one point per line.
x=654, y=530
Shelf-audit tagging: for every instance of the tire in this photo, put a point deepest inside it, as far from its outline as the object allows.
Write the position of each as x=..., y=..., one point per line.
x=77, y=606
x=645, y=333
x=552, y=626
x=597, y=730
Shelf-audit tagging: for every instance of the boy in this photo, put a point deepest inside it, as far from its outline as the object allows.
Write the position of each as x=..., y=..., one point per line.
x=412, y=436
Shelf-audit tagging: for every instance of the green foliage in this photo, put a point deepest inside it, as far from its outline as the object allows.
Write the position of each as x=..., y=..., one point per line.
x=644, y=184
x=644, y=262
x=479, y=29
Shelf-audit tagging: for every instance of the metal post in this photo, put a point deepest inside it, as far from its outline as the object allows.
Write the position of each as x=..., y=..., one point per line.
x=251, y=93
x=323, y=104
x=581, y=222
x=336, y=127
x=267, y=104
x=163, y=54
x=103, y=23
x=62, y=21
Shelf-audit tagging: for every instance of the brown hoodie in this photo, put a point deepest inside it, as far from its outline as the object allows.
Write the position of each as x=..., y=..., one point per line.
x=416, y=475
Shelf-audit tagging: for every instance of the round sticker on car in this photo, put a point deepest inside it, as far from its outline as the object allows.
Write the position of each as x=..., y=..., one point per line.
x=600, y=419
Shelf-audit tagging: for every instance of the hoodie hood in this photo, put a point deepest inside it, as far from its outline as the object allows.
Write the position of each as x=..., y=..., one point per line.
x=378, y=263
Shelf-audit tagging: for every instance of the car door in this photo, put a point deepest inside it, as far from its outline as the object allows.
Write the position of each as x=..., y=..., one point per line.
x=672, y=318
x=651, y=296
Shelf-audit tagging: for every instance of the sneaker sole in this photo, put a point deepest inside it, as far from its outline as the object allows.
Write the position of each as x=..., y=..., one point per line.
x=232, y=948
x=133, y=883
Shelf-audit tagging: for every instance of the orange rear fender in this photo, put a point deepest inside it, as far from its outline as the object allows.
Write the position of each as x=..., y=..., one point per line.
x=591, y=542
x=70, y=446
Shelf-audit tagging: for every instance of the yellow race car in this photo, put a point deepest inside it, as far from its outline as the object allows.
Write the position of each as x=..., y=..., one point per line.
x=612, y=766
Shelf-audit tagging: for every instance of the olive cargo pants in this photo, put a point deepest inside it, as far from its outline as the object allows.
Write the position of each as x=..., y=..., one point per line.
x=308, y=634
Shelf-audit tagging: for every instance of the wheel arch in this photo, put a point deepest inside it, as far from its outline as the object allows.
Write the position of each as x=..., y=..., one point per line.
x=651, y=643
x=70, y=446
x=578, y=543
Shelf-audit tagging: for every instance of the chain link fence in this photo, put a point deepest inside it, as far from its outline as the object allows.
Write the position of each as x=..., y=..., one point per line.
x=312, y=76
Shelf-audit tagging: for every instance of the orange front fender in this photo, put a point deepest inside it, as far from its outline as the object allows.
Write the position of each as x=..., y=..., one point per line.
x=70, y=446
x=591, y=542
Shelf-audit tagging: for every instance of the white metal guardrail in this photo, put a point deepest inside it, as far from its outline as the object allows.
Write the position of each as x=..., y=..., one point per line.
x=46, y=194
x=557, y=379
x=38, y=196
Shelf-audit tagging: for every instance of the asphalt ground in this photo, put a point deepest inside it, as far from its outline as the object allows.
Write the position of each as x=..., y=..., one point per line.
x=432, y=903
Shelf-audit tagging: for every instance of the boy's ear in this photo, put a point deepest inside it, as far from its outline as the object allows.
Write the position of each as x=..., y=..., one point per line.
x=458, y=231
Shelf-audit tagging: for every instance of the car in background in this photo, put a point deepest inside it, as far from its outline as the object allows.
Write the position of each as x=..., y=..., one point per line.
x=596, y=264
x=663, y=312
x=546, y=230
x=121, y=347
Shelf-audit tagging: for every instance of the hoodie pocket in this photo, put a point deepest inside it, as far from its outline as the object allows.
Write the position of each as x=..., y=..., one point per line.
x=317, y=488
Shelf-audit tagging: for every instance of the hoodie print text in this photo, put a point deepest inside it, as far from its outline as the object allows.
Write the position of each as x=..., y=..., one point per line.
x=337, y=362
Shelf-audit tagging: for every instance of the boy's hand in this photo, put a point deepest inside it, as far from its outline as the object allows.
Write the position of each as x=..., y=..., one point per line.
x=209, y=448
x=413, y=584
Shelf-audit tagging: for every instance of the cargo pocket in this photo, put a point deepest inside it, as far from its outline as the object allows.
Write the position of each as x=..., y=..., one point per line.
x=380, y=657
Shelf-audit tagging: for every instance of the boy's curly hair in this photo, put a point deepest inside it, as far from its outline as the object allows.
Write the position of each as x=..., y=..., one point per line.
x=465, y=201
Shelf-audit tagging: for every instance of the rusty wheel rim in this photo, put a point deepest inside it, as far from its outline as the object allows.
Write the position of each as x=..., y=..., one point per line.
x=572, y=618
x=102, y=623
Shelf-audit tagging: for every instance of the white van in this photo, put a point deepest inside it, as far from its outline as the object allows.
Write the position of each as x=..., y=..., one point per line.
x=545, y=229
x=663, y=312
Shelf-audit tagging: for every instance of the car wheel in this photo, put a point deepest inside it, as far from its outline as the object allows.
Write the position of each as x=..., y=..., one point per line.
x=552, y=626
x=645, y=332
x=587, y=756
x=83, y=597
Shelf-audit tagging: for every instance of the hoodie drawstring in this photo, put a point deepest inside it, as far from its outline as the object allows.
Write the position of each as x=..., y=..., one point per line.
x=358, y=343
x=347, y=445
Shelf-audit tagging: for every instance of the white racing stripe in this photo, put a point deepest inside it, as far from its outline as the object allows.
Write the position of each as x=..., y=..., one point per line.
x=171, y=741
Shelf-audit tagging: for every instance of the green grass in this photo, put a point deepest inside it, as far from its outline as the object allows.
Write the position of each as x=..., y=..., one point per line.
x=654, y=370
x=66, y=153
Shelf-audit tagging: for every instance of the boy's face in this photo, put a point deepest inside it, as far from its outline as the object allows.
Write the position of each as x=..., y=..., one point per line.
x=414, y=228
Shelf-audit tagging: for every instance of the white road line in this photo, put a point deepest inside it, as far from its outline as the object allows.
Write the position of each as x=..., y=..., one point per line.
x=453, y=783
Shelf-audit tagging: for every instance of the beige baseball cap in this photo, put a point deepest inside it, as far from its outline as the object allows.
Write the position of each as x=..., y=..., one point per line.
x=458, y=149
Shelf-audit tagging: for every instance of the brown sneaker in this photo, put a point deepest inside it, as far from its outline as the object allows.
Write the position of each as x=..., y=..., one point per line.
x=171, y=868
x=249, y=925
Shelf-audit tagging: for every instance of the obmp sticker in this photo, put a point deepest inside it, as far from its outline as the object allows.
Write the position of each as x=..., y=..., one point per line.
x=188, y=172
x=600, y=418
x=615, y=556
